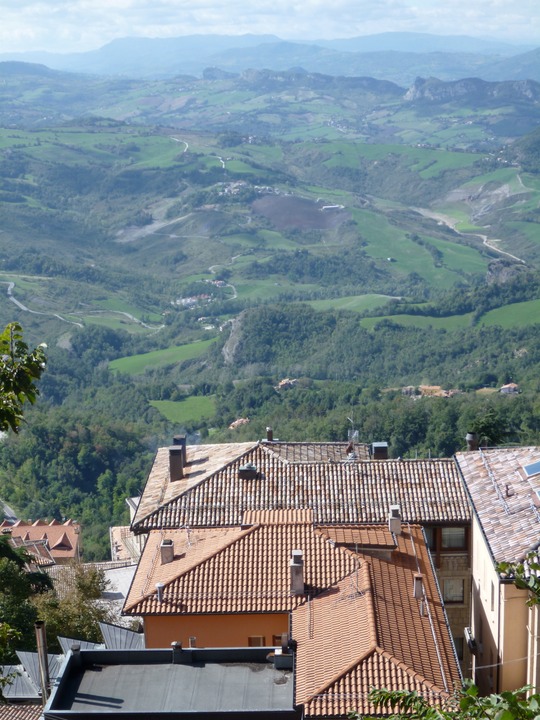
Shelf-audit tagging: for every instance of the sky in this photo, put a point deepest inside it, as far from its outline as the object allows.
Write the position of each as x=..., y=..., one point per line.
x=81, y=25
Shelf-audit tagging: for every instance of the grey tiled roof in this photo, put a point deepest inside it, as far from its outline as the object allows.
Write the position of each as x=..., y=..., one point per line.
x=504, y=498
x=338, y=491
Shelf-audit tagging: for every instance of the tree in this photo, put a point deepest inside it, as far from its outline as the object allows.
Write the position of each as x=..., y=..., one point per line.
x=20, y=367
x=17, y=587
x=464, y=704
x=79, y=613
x=525, y=574
x=8, y=636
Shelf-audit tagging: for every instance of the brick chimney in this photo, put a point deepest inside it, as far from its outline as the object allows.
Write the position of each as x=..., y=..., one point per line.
x=181, y=441
x=176, y=462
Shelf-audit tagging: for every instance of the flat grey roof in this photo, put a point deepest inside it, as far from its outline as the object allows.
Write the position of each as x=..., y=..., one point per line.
x=176, y=683
x=180, y=688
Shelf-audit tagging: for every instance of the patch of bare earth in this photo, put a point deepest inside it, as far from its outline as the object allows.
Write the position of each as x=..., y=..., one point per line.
x=287, y=211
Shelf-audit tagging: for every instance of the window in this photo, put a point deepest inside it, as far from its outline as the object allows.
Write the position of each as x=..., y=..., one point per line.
x=458, y=642
x=453, y=538
x=256, y=641
x=453, y=590
x=430, y=537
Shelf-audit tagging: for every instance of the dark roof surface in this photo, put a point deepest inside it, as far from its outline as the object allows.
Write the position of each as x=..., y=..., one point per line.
x=148, y=683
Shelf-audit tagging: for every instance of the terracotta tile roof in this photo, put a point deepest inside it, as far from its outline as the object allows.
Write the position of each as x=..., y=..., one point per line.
x=504, y=498
x=20, y=712
x=361, y=536
x=428, y=491
x=234, y=570
x=317, y=452
x=62, y=540
x=39, y=551
x=388, y=643
x=202, y=462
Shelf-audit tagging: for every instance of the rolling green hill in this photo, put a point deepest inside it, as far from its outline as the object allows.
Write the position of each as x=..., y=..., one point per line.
x=184, y=244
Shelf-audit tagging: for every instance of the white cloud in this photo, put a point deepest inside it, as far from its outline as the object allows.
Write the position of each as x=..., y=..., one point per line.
x=69, y=25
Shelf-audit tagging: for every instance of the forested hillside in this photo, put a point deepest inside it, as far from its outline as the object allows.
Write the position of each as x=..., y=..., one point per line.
x=183, y=245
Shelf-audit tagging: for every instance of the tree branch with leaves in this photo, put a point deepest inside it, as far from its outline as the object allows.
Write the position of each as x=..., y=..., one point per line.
x=20, y=368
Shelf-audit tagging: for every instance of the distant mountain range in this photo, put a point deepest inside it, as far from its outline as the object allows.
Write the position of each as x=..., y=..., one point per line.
x=398, y=57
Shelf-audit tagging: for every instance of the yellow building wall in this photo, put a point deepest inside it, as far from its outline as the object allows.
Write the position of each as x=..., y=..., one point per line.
x=500, y=620
x=214, y=630
x=514, y=635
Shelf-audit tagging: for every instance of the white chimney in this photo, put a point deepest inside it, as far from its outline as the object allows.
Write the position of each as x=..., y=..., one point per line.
x=167, y=551
x=394, y=520
x=297, y=572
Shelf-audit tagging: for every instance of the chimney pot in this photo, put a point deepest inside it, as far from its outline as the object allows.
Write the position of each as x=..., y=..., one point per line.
x=176, y=462
x=472, y=441
x=159, y=589
x=43, y=659
x=269, y=434
x=297, y=572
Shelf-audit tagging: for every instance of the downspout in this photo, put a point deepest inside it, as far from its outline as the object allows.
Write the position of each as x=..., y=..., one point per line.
x=498, y=666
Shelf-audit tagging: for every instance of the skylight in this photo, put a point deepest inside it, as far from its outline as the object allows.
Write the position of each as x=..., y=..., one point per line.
x=532, y=469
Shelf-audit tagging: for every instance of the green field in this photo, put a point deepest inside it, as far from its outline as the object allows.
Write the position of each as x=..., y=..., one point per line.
x=137, y=364
x=453, y=322
x=515, y=315
x=192, y=409
x=357, y=303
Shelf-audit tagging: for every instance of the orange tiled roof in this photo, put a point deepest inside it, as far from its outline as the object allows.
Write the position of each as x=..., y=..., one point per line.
x=357, y=626
x=40, y=553
x=359, y=536
x=62, y=540
x=234, y=570
x=338, y=491
x=14, y=711
x=504, y=498
x=388, y=643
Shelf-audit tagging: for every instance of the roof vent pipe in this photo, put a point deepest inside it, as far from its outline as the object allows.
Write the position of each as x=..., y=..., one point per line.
x=43, y=659
x=394, y=520
x=181, y=441
x=176, y=463
x=297, y=572
x=269, y=434
x=472, y=441
x=159, y=590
